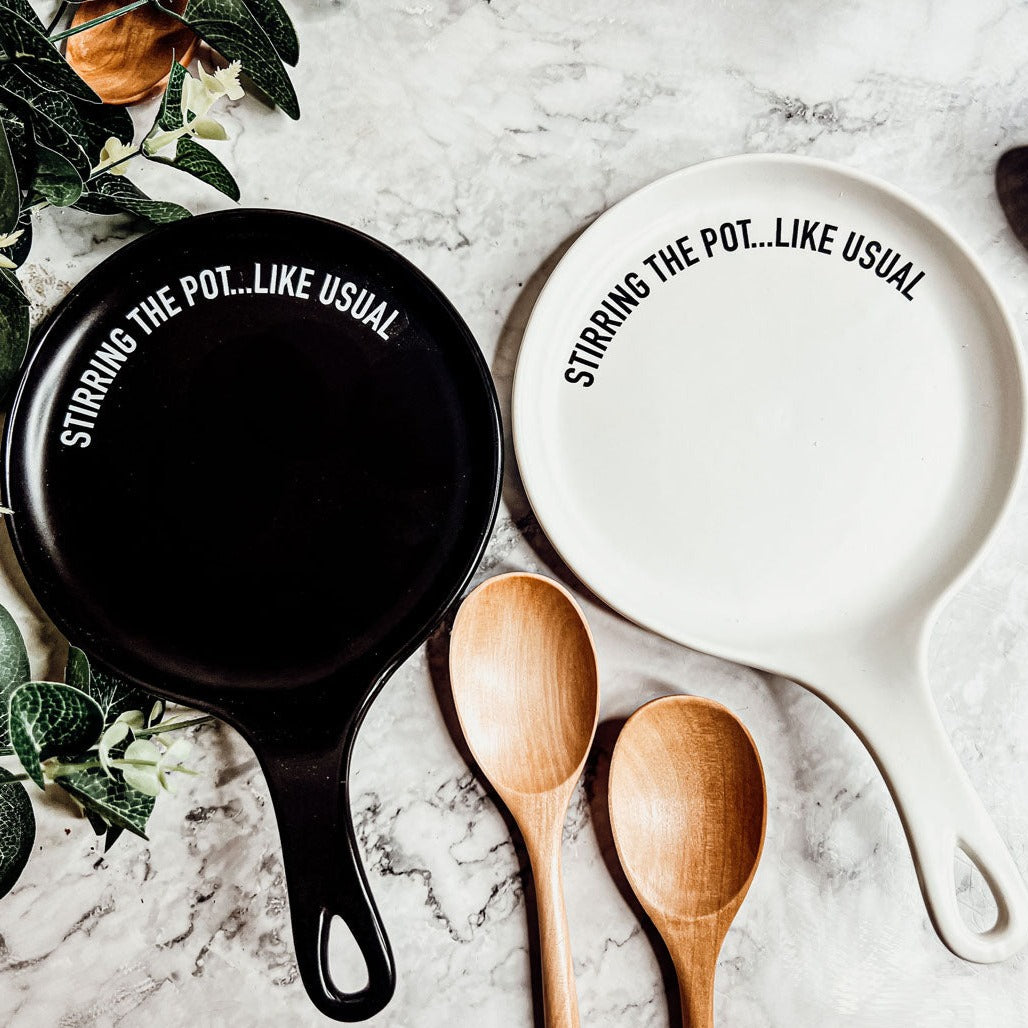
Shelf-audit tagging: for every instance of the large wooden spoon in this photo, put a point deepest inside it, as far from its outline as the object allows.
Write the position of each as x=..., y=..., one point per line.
x=524, y=679
x=688, y=809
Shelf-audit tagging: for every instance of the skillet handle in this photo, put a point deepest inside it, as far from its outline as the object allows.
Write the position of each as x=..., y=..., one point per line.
x=940, y=811
x=325, y=875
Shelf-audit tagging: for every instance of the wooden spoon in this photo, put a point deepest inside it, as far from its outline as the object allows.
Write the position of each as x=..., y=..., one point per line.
x=688, y=809
x=525, y=684
x=126, y=59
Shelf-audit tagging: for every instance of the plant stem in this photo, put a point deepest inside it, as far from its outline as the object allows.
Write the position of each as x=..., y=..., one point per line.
x=63, y=770
x=172, y=726
x=69, y=769
x=75, y=29
x=101, y=168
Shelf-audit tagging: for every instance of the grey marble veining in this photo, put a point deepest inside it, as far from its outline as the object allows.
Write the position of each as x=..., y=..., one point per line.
x=478, y=139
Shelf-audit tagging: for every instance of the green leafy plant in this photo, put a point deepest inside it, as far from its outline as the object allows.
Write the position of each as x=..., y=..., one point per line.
x=95, y=736
x=61, y=147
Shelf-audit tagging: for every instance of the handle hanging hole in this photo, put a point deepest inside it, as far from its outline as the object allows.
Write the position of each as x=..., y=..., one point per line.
x=974, y=896
x=346, y=963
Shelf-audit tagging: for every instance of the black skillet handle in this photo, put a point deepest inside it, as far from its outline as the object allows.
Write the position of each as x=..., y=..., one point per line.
x=324, y=873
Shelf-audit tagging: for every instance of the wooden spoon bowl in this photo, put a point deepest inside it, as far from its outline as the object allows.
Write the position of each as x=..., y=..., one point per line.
x=526, y=674
x=688, y=811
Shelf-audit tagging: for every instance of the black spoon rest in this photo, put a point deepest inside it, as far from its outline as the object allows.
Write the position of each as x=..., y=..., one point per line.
x=252, y=460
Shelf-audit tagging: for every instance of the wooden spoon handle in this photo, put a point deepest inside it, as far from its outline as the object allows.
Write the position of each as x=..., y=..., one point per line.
x=560, y=998
x=694, y=947
x=697, y=1001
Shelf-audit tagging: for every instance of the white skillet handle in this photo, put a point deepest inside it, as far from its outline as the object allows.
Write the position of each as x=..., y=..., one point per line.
x=899, y=723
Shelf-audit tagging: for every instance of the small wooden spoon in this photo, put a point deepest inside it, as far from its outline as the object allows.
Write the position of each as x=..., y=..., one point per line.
x=525, y=684
x=688, y=809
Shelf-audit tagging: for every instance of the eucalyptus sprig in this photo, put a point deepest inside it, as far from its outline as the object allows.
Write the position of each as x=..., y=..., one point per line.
x=95, y=736
x=60, y=146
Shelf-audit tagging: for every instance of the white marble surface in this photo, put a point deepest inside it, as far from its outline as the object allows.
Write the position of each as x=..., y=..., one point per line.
x=477, y=138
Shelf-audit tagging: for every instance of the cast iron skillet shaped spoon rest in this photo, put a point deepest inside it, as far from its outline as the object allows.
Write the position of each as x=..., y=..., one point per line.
x=252, y=460
x=773, y=410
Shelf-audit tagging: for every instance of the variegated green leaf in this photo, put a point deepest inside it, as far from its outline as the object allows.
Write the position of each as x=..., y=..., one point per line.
x=169, y=115
x=230, y=28
x=14, y=668
x=77, y=672
x=100, y=122
x=26, y=46
x=111, y=194
x=50, y=719
x=19, y=138
x=17, y=830
x=14, y=330
x=55, y=121
x=10, y=190
x=116, y=696
x=198, y=161
x=56, y=179
x=26, y=11
x=19, y=249
x=272, y=17
x=110, y=799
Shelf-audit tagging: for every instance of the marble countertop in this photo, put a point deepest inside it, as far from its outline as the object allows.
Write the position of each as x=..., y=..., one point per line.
x=478, y=138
